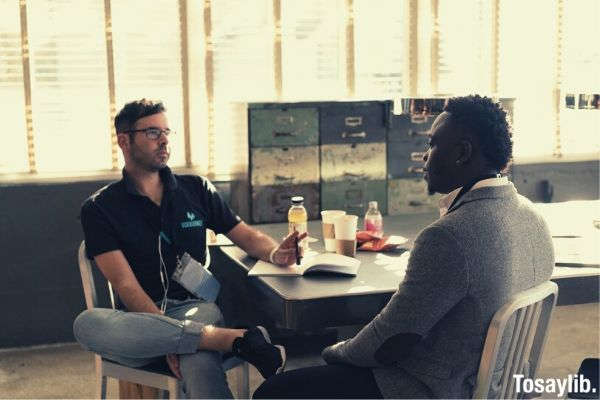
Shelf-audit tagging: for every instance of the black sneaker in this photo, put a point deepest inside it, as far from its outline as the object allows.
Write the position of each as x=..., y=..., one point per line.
x=256, y=348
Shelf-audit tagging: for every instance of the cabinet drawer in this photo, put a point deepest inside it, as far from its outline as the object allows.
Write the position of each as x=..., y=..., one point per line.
x=340, y=162
x=353, y=196
x=410, y=196
x=363, y=122
x=404, y=156
x=410, y=127
x=284, y=127
x=284, y=165
x=271, y=203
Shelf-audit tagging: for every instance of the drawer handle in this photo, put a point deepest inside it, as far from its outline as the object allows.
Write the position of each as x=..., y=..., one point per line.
x=287, y=159
x=283, y=178
x=353, y=194
x=280, y=119
x=284, y=134
x=416, y=170
x=418, y=133
x=418, y=118
x=353, y=121
x=354, y=135
x=415, y=203
x=359, y=205
x=417, y=156
x=354, y=176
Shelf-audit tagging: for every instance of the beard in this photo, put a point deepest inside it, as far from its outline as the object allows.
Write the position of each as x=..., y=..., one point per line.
x=147, y=161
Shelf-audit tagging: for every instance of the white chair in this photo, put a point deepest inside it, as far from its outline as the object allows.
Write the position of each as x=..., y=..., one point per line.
x=148, y=376
x=533, y=310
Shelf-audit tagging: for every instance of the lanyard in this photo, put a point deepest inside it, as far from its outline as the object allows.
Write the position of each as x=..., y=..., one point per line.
x=469, y=185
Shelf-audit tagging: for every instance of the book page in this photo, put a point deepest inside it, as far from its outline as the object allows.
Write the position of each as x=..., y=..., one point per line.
x=263, y=268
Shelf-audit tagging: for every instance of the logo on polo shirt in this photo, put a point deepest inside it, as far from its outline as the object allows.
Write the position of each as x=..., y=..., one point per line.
x=193, y=222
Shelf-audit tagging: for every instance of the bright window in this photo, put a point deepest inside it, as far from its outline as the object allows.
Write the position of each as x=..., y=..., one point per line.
x=147, y=58
x=14, y=136
x=69, y=85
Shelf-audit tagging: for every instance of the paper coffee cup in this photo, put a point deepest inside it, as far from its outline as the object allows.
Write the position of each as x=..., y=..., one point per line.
x=328, y=216
x=345, y=234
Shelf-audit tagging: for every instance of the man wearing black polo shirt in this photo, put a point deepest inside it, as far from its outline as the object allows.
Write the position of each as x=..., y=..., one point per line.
x=137, y=230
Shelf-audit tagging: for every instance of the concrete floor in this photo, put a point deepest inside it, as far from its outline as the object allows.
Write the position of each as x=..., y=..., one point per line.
x=67, y=371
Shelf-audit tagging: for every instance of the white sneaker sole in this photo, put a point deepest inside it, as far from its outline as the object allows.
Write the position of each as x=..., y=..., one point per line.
x=279, y=347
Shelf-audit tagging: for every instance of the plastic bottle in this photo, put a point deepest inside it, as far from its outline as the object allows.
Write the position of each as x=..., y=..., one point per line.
x=297, y=218
x=373, y=220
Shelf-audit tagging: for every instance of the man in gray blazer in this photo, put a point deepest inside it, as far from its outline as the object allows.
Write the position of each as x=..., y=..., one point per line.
x=488, y=244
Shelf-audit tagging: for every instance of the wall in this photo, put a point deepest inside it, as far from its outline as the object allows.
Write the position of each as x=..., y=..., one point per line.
x=566, y=181
x=40, y=291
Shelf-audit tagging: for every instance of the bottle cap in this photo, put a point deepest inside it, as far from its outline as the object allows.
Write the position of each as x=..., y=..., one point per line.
x=297, y=200
x=372, y=204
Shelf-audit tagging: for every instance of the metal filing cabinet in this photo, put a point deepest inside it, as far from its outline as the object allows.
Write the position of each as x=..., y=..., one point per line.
x=353, y=155
x=284, y=159
x=407, y=141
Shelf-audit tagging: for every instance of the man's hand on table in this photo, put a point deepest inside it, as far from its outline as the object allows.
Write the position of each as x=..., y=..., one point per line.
x=285, y=253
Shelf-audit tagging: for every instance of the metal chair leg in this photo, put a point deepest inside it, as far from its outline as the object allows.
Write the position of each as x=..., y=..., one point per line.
x=173, y=389
x=243, y=381
x=100, y=379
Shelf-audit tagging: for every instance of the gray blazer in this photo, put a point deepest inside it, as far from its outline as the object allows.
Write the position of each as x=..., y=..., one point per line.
x=462, y=269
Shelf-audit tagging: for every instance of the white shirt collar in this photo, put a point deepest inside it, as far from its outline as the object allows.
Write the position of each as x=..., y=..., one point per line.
x=447, y=200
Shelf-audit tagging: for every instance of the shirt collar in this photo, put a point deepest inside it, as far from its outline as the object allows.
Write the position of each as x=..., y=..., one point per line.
x=447, y=200
x=166, y=176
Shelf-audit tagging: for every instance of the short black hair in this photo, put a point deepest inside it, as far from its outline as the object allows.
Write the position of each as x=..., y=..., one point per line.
x=132, y=111
x=485, y=119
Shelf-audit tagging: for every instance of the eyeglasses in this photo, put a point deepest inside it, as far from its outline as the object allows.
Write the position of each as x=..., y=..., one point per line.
x=152, y=133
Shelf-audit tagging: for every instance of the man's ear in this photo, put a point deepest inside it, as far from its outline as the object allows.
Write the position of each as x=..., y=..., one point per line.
x=465, y=153
x=123, y=140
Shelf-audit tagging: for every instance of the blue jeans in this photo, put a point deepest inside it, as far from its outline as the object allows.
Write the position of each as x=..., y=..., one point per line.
x=136, y=339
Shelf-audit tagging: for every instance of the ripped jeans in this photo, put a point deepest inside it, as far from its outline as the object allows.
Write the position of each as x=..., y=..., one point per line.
x=136, y=339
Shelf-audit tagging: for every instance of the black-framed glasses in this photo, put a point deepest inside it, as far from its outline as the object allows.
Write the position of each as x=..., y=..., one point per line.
x=153, y=133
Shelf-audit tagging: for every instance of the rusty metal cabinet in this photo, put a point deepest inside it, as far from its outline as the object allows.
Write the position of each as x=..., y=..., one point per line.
x=339, y=155
x=284, y=126
x=354, y=122
x=407, y=141
x=410, y=196
x=271, y=203
x=353, y=155
x=284, y=165
x=342, y=162
x=284, y=159
x=354, y=195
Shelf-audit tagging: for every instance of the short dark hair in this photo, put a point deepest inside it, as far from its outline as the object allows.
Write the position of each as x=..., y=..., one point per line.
x=485, y=119
x=131, y=112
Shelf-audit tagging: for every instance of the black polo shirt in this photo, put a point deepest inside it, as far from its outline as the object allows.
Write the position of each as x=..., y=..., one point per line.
x=118, y=217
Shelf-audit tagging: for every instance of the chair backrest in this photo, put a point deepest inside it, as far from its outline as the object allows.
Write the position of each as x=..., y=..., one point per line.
x=532, y=309
x=88, y=281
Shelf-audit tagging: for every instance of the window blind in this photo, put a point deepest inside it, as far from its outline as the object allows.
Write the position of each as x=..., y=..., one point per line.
x=464, y=47
x=14, y=154
x=69, y=87
x=579, y=74
x=313, y=49
x=147, y=59
x=527, y=71
x=378, y=48
x=243, y=71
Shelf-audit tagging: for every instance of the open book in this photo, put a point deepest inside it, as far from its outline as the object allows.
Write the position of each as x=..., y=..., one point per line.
x=324, y=262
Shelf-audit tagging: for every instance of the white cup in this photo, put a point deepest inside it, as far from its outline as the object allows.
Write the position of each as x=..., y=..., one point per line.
x=328, y=216
x=345, y=234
